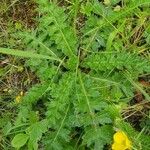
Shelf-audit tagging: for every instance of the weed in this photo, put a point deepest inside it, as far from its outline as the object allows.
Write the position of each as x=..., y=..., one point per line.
x=88, y=57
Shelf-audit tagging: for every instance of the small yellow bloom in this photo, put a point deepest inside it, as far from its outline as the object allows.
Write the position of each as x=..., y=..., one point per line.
x=19, y=97
x=121, y=141
x=21, y=93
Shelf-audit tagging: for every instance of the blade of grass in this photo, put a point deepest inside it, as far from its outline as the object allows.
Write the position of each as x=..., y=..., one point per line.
x=13, y=3
x=137, y=86
x=91, y=113
x=104, y=80
x=62, y=123
x=25, y=54
x=113, y=35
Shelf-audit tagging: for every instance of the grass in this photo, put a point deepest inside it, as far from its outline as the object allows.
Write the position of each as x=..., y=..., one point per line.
x=74, y=65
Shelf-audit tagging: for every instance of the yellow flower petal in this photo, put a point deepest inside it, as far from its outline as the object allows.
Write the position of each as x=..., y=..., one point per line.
x=121, y=141
x=18, y=99
x=117, y=146
x=21, y=93
x=119, y=137
x=128, y=144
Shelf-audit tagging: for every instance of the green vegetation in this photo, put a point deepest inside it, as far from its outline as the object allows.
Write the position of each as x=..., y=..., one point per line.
x=74, y=72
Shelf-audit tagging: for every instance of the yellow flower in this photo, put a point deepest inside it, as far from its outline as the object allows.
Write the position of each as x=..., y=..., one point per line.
x=121, y=141
x=19, y=97
x=21, y=93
